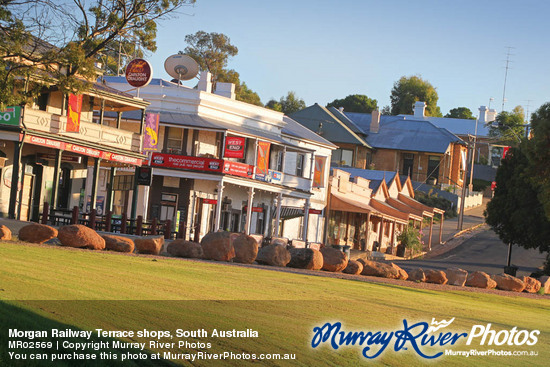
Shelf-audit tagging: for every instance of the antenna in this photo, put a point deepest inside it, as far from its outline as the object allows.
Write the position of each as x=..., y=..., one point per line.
x=527, y=106
x=508, y=54
x=181, y=67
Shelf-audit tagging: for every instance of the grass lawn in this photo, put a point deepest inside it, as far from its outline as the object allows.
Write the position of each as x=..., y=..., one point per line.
x=42, y=288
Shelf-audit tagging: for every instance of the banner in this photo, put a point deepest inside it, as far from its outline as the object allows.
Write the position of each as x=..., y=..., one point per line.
x=505, y=151
x=188, y=163
x=319, y=172
x=262, y=164
x=73, y=113
x=238, y=169
x=150, y=139
x=234, y=147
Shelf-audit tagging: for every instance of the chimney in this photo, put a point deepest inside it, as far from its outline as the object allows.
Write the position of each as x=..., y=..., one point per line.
x=491, y=115
x=341, y=109
x=375, y=121
x=483, y=114
x=205, y=82
x=419, y=108
x=225, y=90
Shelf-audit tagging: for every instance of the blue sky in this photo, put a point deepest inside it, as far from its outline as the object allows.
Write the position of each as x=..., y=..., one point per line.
x=325, y=50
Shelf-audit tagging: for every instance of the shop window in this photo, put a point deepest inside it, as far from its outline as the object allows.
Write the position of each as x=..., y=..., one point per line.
x=123, y=183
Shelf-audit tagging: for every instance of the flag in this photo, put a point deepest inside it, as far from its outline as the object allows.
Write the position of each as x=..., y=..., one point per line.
x=73, y=113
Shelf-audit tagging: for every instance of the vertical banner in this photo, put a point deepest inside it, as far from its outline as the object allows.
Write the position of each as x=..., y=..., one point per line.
x=73, y=113
x=319, y=172
x=234, y=147
x=262, y=165
x=150, y=140
x=505, y=151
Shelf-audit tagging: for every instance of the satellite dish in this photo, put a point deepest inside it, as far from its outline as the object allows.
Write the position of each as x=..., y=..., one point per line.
x=181, y=67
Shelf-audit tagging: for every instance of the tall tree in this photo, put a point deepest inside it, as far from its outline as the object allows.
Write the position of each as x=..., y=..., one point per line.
x=408, y=90
x=516, y=213
x=539, y=154
x=355, y=103
x=289, y=104
x=461, y=113
x=210, y=50
x=40, y=34
x=509, y=127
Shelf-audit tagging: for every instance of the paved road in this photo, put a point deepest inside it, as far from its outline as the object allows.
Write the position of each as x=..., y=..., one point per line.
x=483, y=252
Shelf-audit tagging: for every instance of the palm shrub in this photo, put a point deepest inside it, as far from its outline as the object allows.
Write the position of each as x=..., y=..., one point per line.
x=411, y=238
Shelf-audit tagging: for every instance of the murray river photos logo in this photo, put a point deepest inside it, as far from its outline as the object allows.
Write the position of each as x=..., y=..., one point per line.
x=418, y=337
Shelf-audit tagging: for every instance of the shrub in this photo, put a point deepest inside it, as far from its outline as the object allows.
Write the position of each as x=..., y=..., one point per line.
x=411, y=238
x=436, y=202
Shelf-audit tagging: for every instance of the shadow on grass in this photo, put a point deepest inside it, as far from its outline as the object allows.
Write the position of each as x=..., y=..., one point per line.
x=16, y=317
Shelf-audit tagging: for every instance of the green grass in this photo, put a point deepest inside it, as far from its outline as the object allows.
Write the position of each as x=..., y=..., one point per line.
x=51, y=287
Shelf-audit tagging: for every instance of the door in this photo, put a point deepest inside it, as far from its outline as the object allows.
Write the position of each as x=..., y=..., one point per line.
x=26, y=196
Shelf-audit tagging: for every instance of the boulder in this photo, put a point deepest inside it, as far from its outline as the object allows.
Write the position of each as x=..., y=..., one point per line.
x=77, y=235
x=37, y=233
x=435, y=276
x=417, y=275
x=456, y=276
x=151, y=245
x=305, y=258
x=217, y=246
x=531, y=285
x=183, y=248
x=402, y=273
x=5, y=233
x=378, y=269
x=275, y=255
x=479, y=279
x=333, y=259
x=118, y=243
x=507, y=282
x=545, y=284
x=246, y=248
x=354, y=267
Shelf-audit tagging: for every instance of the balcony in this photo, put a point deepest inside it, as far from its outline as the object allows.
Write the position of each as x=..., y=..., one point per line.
x=89, y=131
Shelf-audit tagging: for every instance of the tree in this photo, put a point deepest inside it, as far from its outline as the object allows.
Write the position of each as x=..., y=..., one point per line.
x=461, y=113
x=289, y=104
x=355, y=103
x=538, y=153
x=210, y=50
x=407, y=91
x=516, y=213
x=509, y=126
x=42, y=35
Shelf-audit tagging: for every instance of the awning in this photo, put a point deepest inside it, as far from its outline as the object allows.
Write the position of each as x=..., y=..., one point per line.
x=290, y=212
x=407, y=208
x=393, y=213
x=416, y=204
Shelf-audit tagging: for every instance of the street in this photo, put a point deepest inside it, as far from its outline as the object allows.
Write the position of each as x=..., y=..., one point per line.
x=484, y=252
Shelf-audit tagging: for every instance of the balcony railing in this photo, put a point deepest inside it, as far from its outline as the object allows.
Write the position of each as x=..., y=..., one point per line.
x=89, y=131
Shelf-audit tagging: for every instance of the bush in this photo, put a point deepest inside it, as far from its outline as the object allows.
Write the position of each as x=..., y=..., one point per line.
x=436, y=202
x=411, y=238
x=480, y=185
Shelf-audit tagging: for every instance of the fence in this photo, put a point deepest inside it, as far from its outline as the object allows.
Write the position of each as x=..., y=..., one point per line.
x=109, y=223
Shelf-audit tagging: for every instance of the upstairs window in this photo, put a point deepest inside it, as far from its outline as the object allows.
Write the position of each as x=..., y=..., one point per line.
x=174, y=141
x=300, y=165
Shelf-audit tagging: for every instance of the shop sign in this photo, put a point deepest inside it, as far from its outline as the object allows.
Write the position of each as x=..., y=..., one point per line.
x=238, y=169
x=64, y=158
x=10, y=116
x=210, y=201
x=273, y=176
x=315, y=211
x=234, y=147
x=139, y=73
x=187, y=163
x=144, y=176
x=255, y=209
x=78, y=149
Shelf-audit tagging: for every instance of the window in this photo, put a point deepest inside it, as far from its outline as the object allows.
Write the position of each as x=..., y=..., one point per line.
x=342, y=157
x=279, y=166
x=433, y=167
x=175, y=139
x=408, y=159
x=300, y=165
x=123, y=183
x=42, y=101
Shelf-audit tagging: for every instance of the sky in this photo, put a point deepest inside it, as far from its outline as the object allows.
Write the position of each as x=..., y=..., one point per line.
x=324, y=50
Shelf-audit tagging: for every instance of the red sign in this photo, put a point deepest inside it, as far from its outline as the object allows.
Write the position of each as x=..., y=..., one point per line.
x=315, y=211
x=210, y=201
x=238, y=169
x=255, y=209
x=90, y=152
x=234, y=147
x=139, y=73
x=73, y=113
x=185, y=162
